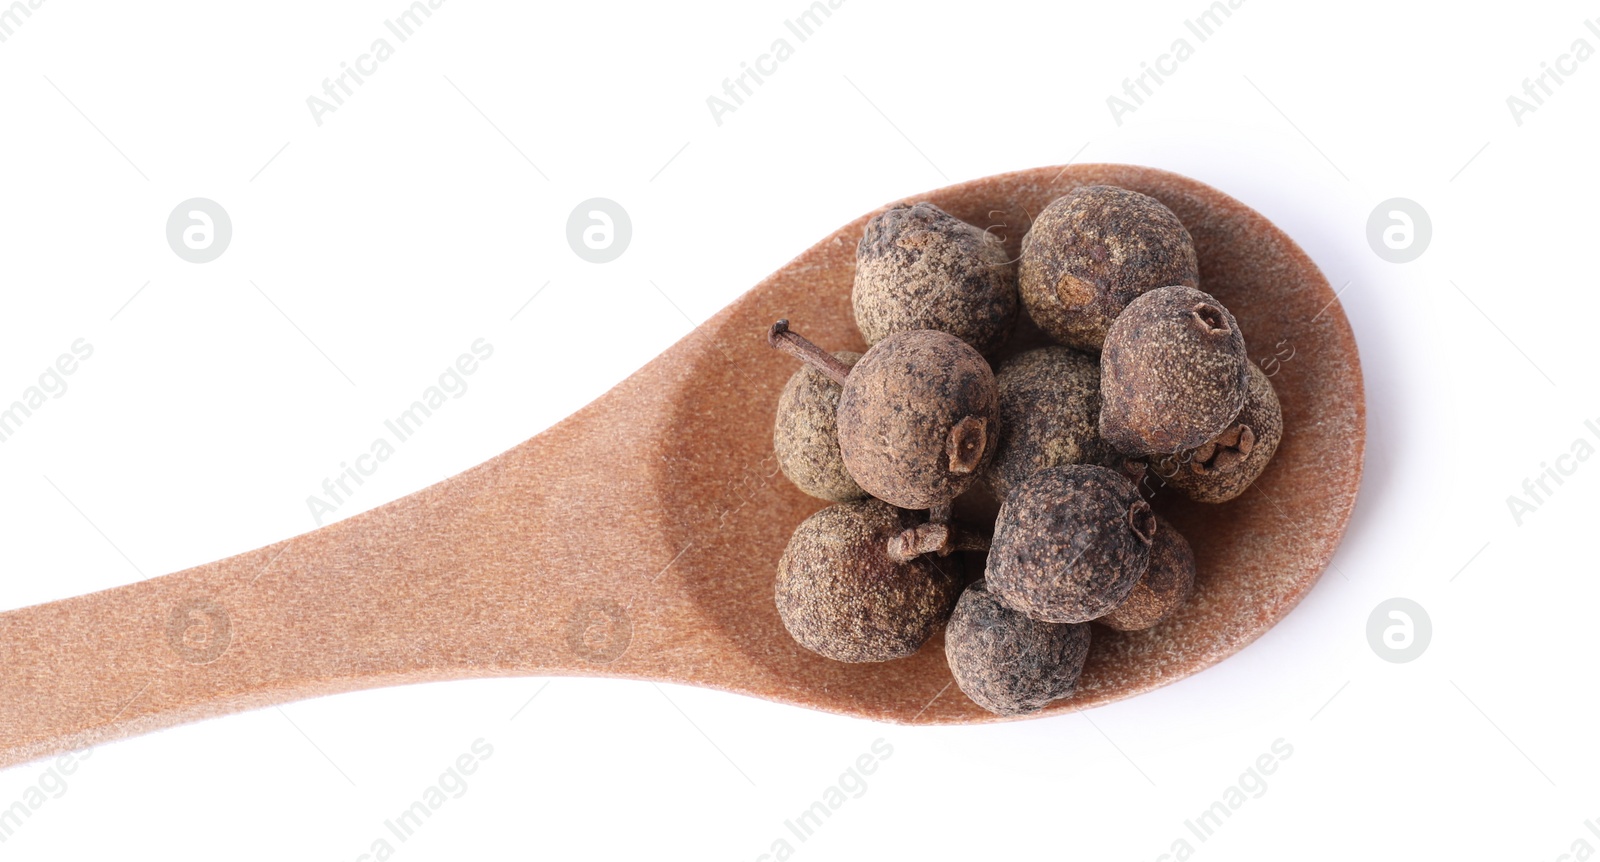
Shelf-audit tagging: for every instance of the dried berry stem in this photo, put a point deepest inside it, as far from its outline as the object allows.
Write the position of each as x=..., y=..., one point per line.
x=1226, y=452
x=1210, y=319
x=968, y=540
x=943, y=539
x=968, y=439
x=798, y=346
x=1143, y=521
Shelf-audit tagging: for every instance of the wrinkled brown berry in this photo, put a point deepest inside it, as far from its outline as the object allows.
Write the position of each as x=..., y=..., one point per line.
x=1070, y=543
x=1173, y=373
x=918, y=267
x=1165, y=586
x=1223, y=468
x=841, y=595
x=1007, y=662
x=805, y=436
x=1091, y=252
x=1049, y=416
x=917, y=417
x=918, y=414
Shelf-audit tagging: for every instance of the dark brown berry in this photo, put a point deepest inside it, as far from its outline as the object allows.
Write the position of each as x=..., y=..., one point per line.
x=1049, y=416
x=805, y=435
x=1091, y=252
x=918, y=267
x=841, y=595
x=1165, y=586
x=918, y=413
x=1223, y=468
x=1007, y=662
x=1070, y=544
x=1173, y=373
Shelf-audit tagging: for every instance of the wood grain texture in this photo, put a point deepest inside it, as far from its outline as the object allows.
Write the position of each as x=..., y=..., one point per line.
x=638, y=538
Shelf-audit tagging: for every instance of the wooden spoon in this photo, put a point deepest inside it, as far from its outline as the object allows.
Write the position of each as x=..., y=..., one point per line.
x=639, y=537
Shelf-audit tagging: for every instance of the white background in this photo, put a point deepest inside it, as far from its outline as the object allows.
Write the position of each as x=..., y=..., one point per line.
x=376, y=247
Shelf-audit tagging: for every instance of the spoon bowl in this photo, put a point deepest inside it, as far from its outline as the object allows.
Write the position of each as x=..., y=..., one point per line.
x=639, y=537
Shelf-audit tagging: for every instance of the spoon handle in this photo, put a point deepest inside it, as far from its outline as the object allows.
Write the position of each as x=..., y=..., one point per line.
x=501, y=570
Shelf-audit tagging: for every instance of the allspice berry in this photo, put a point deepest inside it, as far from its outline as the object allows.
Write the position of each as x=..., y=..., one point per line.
x=805, y=435
x=1091, y=252
x=1173, y=373
x=1070, y=544
x=1007, y=662
x=918, y=267
x=1165, y=586
x=842, y=595
x=1049, y=416
x=1225, y=466
x=918, y=414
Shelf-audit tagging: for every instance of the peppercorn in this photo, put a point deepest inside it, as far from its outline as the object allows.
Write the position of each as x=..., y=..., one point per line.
x=1091, y=252
x=1007, y=662
x=1165, y=586
x=918, y=414
x=1049, y=416
x=805, y=435
x=918, y=267
x=1070, y=543
x=1224, y=467
x=842, y=595
x=1173, y=372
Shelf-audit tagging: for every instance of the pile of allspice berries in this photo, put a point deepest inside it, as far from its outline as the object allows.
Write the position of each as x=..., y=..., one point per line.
x=1147, y=386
